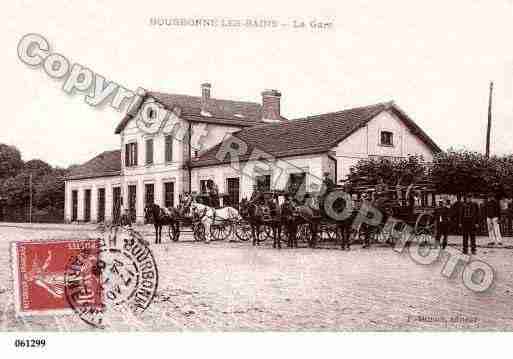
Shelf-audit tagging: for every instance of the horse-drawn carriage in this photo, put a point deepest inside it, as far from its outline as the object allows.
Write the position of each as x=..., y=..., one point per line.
x=244, y=227
x=181, y=220
x=402, y=206
x=306, y=221
x=411, y=206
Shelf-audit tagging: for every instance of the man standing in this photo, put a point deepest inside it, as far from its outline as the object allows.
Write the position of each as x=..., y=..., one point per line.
x=381, y=188
x=328, y=184
x=469, y=221
x=275, y=212
x=327, y=187
x=492, y=210
x=509, y=215
x=213, y=193
x=126, y=218
x=365, y=204
x=442, y=220
x=455, y=215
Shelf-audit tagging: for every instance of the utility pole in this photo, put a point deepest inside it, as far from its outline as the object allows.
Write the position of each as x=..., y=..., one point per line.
x=30, y=194
x=488, y=129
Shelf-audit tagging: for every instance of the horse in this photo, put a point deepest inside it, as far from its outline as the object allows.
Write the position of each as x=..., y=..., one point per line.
x=208, y=215
x=252, y=212
x=289, y=215
x=307, y=215
x=328, y=209
x=339, y=209
x=162, y=216
x=275, y=221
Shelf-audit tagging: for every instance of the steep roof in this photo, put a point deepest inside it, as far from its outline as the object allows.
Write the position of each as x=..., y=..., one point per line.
x=106, y=164
x=226, y=112
x=309, y=135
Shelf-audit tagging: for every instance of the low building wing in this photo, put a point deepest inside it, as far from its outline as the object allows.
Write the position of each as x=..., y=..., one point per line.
x=106, y=164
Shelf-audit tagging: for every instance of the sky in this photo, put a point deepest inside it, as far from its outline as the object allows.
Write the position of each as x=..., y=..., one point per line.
x=434, y=59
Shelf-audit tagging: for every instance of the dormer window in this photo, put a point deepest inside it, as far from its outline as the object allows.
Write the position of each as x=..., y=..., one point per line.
x=387, y=138
x=151, y=113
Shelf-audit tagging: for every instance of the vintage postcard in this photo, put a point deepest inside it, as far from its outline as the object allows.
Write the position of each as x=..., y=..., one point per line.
x=292, y=167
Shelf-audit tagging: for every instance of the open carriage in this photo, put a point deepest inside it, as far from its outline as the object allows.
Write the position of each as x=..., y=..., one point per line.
x=411, y=206
x=326, y=228
x=221, y=229
x=243, y=229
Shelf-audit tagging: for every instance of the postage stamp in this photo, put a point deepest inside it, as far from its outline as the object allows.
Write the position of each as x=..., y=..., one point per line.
x=104, y=279
x=39, y=274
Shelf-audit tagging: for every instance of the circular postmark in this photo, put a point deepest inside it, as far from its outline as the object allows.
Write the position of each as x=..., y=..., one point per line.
x=114, y=279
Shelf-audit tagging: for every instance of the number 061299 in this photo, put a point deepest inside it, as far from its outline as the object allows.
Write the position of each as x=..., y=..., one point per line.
x=29, y=343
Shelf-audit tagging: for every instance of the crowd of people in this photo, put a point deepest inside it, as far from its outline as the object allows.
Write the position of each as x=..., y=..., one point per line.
x=465, y=217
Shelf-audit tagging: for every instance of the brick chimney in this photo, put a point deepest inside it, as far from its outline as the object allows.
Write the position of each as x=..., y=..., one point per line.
x=205, y=97
x=205, y=91
x=271, y=106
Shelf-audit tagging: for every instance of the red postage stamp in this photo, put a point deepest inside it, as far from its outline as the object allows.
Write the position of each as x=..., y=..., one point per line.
x=39, y=271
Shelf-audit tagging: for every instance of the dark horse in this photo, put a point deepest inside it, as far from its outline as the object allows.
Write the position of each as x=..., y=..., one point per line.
x=339, y=208
x=275, y=221
x=331, y=210
x=160, y=218
x=252, y=212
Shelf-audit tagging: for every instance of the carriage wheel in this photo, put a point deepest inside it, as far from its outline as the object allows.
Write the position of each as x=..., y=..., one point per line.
x=221, y=231
x=353, y=234
x=425, y=224
x=284, y=234
x=266, y=232
x=424, y=237
x=243, y=231
x=269, y=231
x=328, y=233
x=361, y=232
x=174, y=233
x=304, y=232
x=382, y=235
x=366, y=231
x=198, y=230
x=425, y=229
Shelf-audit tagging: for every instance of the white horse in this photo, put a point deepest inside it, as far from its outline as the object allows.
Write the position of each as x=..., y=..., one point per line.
x=210, y=215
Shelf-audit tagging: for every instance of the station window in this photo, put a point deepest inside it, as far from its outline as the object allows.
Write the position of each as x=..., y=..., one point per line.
x=387, y=138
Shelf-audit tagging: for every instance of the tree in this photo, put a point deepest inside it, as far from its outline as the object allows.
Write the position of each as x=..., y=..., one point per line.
x=15, y=190
x=404, y=171
x=460, y=172
x=49, y=191
x=37, y=167
x=10, y=161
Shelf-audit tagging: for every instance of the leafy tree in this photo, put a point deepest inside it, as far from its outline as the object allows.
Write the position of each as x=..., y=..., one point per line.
x=404, y=171
x=499, y=176
x=15, y=190
x=451, y=171
x=10, y=161
x=460, y=172
x=37, y=167
x=49, y=191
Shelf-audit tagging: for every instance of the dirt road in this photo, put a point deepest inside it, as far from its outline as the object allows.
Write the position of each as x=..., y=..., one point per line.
x=234, y=286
